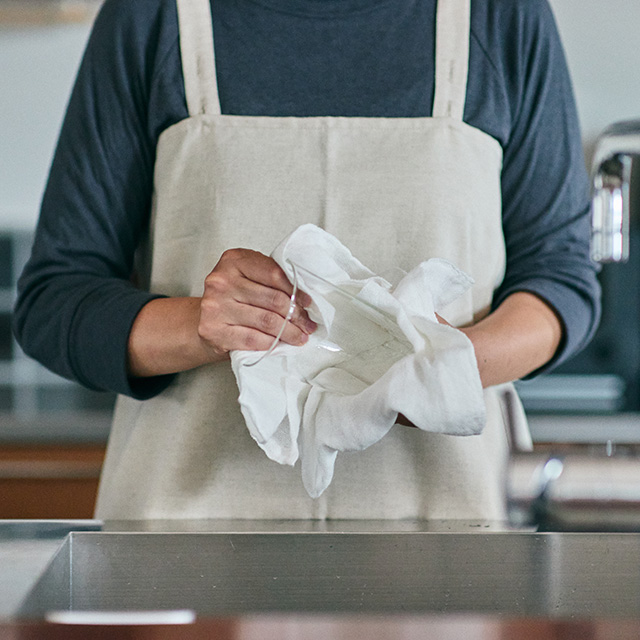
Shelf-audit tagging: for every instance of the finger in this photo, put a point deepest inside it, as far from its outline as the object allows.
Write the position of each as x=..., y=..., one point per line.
x=276, y=301
x=265, y=270
x=247, y=339
x=270, y=324
x=300, y=318
x=303, y=299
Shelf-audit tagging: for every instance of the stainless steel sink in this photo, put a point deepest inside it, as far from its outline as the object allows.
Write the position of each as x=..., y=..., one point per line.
x=222, y=573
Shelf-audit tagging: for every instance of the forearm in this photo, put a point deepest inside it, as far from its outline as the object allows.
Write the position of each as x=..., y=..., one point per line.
x=520, y=336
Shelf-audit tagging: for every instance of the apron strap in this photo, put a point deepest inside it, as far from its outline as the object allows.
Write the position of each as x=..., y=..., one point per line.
x=453, y=30
x=198, y=57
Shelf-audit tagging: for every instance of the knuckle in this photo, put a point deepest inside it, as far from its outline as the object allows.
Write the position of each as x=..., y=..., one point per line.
x=250, y=342
x=231, y=254
x=214, y=338
x=217, y=281
x=235, y=255
x=278, y=276
x=267, y=321
x=277, y=299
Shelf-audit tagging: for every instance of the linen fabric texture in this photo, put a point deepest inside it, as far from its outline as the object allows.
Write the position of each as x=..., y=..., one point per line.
x=397, y=192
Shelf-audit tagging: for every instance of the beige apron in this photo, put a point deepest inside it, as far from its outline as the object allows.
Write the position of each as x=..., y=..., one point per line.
x=396, y=191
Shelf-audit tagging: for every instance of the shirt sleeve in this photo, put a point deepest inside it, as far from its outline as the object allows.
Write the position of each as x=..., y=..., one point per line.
x=76, y=299
x=545, y=183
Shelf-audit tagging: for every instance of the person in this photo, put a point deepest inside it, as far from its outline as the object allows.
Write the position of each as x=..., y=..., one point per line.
x=200, y=133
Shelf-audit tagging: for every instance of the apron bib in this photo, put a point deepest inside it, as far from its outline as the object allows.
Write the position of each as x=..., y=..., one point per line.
x=396, y=191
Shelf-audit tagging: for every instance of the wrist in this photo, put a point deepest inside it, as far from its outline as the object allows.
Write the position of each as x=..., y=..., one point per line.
x=164, y=338
x=474, y=334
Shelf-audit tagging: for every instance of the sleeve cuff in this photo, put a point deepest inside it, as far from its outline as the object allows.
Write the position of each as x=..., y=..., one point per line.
x=99, y=338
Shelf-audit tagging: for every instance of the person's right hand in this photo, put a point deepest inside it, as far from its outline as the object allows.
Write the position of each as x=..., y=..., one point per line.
x=245, y=303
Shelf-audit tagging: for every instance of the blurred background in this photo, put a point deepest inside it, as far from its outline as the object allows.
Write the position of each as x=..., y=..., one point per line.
x=52, y=432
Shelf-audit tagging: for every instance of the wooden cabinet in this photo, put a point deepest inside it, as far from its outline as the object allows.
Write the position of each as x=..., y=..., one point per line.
x=49, y=481
x=337, y=627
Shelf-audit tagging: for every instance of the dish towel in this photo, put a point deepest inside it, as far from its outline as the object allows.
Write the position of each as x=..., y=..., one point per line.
x=378, y=351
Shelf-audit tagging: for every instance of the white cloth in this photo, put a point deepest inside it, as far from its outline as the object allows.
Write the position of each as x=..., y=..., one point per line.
x=378, y=351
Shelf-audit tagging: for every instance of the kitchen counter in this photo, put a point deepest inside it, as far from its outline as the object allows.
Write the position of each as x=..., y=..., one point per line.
x=368, y=574
x=93, y=428
x=585, y=428
x=26, y=549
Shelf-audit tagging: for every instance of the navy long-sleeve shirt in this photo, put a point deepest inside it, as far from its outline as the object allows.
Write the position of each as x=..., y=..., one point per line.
x=375, y=58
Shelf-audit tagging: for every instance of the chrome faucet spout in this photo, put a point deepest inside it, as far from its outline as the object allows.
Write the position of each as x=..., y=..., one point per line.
x=618, y=145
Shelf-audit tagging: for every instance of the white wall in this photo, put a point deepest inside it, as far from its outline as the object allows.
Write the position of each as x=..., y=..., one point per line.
x=602, y=43
x=37, y=66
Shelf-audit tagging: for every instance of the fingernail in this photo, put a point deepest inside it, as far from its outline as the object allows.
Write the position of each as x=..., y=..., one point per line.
x=310, y=326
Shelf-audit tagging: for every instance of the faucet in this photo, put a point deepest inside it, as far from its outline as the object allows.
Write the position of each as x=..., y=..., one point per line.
x=611, y=176
x=569, y=490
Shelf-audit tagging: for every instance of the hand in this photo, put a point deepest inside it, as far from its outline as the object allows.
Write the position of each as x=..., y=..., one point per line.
x=520, y=336
x=245, y=303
